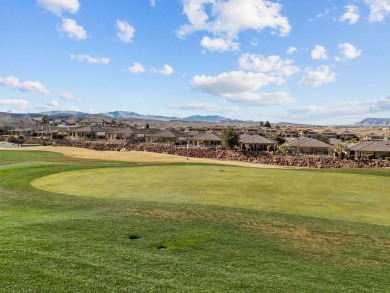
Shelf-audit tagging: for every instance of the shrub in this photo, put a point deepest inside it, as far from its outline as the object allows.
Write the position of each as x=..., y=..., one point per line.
x=370, y=157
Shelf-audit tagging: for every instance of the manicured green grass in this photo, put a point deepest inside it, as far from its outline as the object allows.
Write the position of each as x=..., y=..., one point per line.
x=57, y=242
x=343, y=196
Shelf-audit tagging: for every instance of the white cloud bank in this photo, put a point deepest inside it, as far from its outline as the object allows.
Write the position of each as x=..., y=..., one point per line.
x=319, y=76
x=349, y=51
x=379, y=9
x=351, y=14
x=73, y=30
x=58, y=7
x=273, y=64
x=202, y=106
x=125, y=31
x=319, y=53
x=225, y=19
x=241, y=87
x=136, y=68
x=90, y=59
x=34, y=87
x=14, y=104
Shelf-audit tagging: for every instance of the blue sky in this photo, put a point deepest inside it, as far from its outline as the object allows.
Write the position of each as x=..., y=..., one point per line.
x=323, y=61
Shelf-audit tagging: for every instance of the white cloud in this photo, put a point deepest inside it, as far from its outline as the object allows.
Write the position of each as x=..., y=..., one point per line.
x=323, y=111
x=319, y=76
x=291, y=50
x=201, y=106
x=319, y=53
x=14, y=104
x=125, y=31
x=241, y=87
x=379, y=9
x=153, y=3
x=351, y=14
x=73, y=30
x=168, y=70
x=68, y=97
x=136, y=68
x=59, y=6
x=349, y=51
x=90, y=59
x=53, y=104
x=226, y=19
x=219, y=44
x=271, y=64
x=35, y=87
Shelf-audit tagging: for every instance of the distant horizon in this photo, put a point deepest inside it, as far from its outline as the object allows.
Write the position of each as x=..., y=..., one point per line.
x=324, y=65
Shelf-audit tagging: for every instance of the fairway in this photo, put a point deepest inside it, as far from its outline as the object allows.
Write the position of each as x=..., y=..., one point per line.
x=341, y=196
x=130, y=223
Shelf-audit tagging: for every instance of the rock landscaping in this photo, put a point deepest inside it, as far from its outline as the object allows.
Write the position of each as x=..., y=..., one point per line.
x=229, y=155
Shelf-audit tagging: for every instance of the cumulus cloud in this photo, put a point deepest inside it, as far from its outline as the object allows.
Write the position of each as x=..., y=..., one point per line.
x=153, y=3
x=291, y=50
x=241, y=87
x=379, y=9
x=90, y=59
x=73, y=30
x=219, y=44
x=351, y=14
x=225, y=19
x=202, y=106
x=349, y=51
x=53, y=104
x=167, y=70
x=136, y=68
x=319, y=53
x=68, y=97
x=14, y=104
x=271, y=64
x=57, y=7
x=319, y=76
x=35, y=87
x=125, y=31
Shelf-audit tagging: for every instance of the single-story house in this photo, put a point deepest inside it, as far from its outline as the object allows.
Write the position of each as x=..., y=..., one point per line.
x=168, y=136
x=256, y=143
x=306, y=145
x=376, y=149
x=208, y=139
x=88, y=132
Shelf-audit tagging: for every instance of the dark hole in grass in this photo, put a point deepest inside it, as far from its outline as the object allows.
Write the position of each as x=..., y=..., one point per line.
x=221, y=170
x=161, y=247
x=133, y=237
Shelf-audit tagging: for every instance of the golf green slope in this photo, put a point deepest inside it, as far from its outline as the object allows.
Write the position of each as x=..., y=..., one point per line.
x=332, y=195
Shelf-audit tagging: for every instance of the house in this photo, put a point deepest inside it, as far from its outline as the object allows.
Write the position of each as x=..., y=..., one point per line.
x=364, y=149
x=288, y=132
x=307, y=145
x=128, y=133
x=310, y=133
x=268, y=132
x=374, y=136
x=208, y=139
x=256, y=143
x=329, y=134
x=88, y=132
x=346, y=135
x=168, y=136
x=252, y=130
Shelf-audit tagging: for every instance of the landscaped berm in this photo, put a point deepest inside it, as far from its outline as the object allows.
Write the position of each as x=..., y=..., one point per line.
x=73, y=223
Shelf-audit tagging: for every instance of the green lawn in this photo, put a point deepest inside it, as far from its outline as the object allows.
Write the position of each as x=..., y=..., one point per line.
x=225, y=229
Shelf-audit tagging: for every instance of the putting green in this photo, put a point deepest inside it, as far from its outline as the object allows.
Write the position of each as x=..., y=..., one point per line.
x=332, y=195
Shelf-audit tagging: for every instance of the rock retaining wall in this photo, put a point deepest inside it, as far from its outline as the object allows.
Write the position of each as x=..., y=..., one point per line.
x=231, y=155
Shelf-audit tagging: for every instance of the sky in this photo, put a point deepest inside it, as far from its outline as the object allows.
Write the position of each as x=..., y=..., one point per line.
x=317, y=62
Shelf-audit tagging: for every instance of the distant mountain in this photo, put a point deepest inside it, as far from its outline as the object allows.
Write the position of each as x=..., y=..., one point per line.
x=133, y=115
x=374, y=122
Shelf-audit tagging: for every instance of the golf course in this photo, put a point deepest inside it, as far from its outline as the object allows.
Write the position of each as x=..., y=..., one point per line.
x=77, y=220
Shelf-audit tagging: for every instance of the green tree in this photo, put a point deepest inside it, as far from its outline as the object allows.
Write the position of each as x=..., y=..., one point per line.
x=267, y=124
x=339, y=149
x=284, y=149
x=229, y=138
x=261, y=123
x=147, y=126
x=278, y=138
